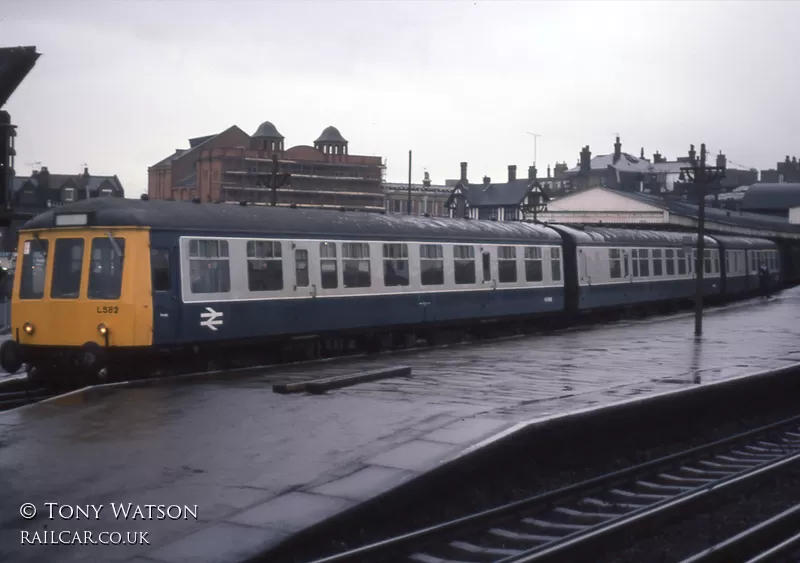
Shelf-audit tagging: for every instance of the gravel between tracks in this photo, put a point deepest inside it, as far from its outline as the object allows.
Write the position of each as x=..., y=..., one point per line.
x=534, y=471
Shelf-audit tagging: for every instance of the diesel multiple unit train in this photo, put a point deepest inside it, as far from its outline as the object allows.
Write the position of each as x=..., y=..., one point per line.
x=109, y=285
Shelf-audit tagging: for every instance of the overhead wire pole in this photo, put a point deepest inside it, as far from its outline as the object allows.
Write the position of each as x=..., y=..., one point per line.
x=701, y=176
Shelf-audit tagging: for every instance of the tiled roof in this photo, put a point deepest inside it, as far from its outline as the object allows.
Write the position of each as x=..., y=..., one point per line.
x=497, y=195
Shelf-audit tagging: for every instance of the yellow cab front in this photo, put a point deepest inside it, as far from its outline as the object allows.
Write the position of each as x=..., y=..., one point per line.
x=79, y=297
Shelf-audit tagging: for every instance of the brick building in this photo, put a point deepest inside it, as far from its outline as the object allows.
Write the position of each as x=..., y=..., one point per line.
x=234, y=166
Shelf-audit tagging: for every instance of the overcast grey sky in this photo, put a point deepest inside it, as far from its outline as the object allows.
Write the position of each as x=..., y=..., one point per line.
x=120, y=85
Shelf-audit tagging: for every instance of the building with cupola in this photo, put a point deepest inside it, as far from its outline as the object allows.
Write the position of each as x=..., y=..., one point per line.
x=233, y=166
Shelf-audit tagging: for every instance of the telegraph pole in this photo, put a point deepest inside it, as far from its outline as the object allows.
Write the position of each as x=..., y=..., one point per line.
x=409, y=182
x=701, y=176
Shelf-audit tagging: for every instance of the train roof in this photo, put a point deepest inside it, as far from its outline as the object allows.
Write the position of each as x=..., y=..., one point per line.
x=745, y=242
x=634, y=237
x=211, y=218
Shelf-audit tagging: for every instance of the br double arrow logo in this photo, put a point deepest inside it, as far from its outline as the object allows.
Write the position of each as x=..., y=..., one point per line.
x=213, y=318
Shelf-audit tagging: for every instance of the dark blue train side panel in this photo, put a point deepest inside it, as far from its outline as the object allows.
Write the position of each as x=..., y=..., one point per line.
x=234, y=320
x=635, y=293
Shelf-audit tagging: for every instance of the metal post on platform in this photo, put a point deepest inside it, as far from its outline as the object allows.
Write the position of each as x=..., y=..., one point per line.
x=701, y=176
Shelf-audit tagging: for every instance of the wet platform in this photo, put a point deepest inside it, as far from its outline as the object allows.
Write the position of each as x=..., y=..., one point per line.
x=260, y=466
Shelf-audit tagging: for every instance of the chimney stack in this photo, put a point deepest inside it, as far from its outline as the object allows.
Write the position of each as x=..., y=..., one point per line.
x=464, y=172
x=512, y=172
x=426, y=181
x=657, y=158
x=692, y=154
x=486, y=180
x=617, y=150
x=586, y=160
x=548, y=171
x=531, y=173
x=721, y=160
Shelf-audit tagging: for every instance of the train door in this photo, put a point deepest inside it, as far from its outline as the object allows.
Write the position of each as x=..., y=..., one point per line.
x=166, y=294
x=304, y=274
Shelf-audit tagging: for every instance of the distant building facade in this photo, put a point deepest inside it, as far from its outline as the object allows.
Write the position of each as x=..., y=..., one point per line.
x=787, y=171
x=43, y=190
x=425, y=198
x=624, y=172
x=234, y=166
x=516, y=199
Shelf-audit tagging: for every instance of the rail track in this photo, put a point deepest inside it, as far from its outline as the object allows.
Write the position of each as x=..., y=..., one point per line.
x=582, y=520
x=14, y=399
x=772, y=541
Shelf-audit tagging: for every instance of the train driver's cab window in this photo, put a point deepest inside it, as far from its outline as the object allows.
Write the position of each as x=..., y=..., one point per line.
x=209, y=266
x=395, y=265
x=264, y=265
x=67, y=264
x=159, y=266
x=105, y=269
x=34, y=267
x=327, y=265
x=464, y=264
x=355, y=264
x=431, y=264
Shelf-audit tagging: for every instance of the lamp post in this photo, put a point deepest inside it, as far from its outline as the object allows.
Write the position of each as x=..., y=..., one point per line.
x=701, y=176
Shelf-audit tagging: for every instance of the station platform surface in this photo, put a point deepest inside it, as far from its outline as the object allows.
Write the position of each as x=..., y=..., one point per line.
x=260, y=466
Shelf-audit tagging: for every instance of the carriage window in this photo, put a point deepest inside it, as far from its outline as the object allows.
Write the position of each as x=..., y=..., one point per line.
x=715, y=255
x=67, y=268
x=34, y=264
x=707, y=261
x=327, y=264
x=506, y=264
x=301, y=268
x=669, y=255
x=209, y=266
x=615, y=263
x=105, y=270
x=555, y=263
x=464, y=264
x=355, y=264
x=681, y=262
x=533, y=264
x=159, y=266
x=264, y=265
x=635, y=262
x=658, y=264
x=395, y=265
x=431, y=264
